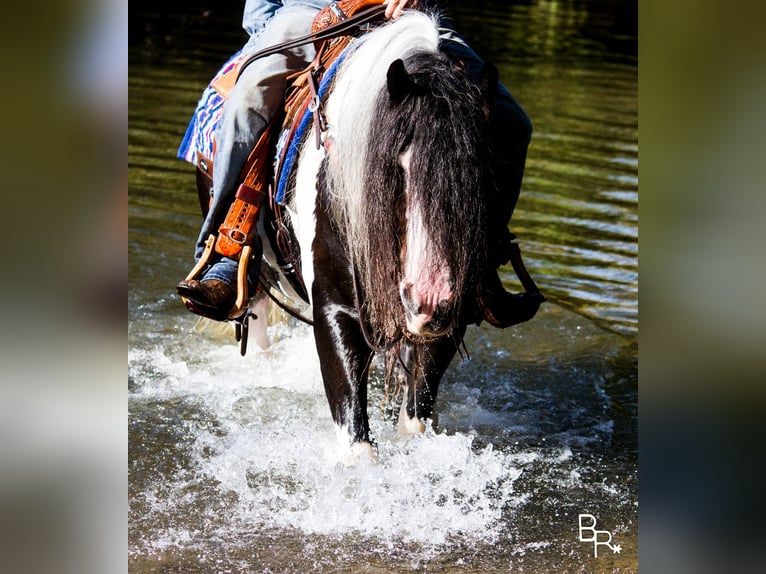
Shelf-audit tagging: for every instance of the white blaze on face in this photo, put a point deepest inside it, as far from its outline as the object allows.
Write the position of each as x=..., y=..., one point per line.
x=426, y=277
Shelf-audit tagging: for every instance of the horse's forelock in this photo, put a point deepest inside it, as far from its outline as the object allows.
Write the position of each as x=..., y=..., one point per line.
x=352, y=104
x=450, y=174
x=444, y=133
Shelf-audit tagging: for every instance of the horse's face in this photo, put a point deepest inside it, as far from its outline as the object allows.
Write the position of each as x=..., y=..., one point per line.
x=426, y=287
x=443, y=167
x=414, y=212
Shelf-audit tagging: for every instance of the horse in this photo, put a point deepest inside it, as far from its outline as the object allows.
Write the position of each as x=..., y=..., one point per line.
x=389, y=218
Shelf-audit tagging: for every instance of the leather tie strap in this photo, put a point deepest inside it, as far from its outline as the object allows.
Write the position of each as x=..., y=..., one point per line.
x=521, y=271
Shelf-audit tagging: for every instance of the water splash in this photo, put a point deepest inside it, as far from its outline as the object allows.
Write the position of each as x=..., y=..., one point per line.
x=273, y=452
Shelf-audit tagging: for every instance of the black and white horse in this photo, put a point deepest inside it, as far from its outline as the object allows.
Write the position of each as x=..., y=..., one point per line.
x=391, y=218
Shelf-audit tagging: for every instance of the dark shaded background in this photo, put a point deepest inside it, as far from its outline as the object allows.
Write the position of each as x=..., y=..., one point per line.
x=63, y=451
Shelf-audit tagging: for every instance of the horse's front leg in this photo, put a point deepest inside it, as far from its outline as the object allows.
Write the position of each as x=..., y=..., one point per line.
x=344, y=361
x=344, y=355
x=425, y=365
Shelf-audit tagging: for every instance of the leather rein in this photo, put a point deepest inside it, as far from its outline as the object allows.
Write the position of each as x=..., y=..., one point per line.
x=344, y=27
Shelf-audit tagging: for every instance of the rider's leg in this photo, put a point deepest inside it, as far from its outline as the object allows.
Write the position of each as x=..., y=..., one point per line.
x=512, y=131
x=511, y=134
x=253, y=101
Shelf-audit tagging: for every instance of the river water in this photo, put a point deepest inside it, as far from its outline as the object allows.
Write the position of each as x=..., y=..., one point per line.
x=231, y=459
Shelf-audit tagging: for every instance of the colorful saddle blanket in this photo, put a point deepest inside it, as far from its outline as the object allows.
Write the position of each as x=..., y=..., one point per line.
x=199, y=138
x=200, y=134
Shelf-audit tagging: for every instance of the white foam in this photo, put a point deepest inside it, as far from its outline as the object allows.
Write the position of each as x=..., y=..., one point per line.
x=425, y=490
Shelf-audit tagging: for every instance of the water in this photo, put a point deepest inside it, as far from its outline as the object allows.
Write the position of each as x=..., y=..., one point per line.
x=232, y=459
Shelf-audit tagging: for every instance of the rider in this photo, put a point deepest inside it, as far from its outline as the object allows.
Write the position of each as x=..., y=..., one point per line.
x=258, y=95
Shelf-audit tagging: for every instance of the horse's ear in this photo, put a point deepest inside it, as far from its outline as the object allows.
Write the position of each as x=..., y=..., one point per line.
x=399, y=82
x=488, y=83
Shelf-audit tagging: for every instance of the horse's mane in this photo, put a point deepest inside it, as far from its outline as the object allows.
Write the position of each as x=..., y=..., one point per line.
x=355, y=98
x=443, y=123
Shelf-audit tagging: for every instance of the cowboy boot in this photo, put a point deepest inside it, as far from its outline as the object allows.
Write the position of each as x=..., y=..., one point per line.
x=210, y=298
x=503, y=309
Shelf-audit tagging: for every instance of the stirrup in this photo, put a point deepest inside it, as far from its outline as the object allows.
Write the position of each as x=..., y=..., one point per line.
x=240, y=304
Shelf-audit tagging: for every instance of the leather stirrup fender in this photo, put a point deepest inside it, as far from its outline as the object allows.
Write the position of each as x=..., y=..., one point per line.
x=239, y=228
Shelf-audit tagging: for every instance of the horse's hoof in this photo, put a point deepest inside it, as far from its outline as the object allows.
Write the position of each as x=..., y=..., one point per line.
x=359, y=451
x=409, y=426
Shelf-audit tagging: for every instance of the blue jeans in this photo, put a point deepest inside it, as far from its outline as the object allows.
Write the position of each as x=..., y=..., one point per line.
x=511, y=134
x=255, y=98
x=259, y=93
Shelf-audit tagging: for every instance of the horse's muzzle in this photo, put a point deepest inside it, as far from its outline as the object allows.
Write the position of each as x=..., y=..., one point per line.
x=423, y=316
